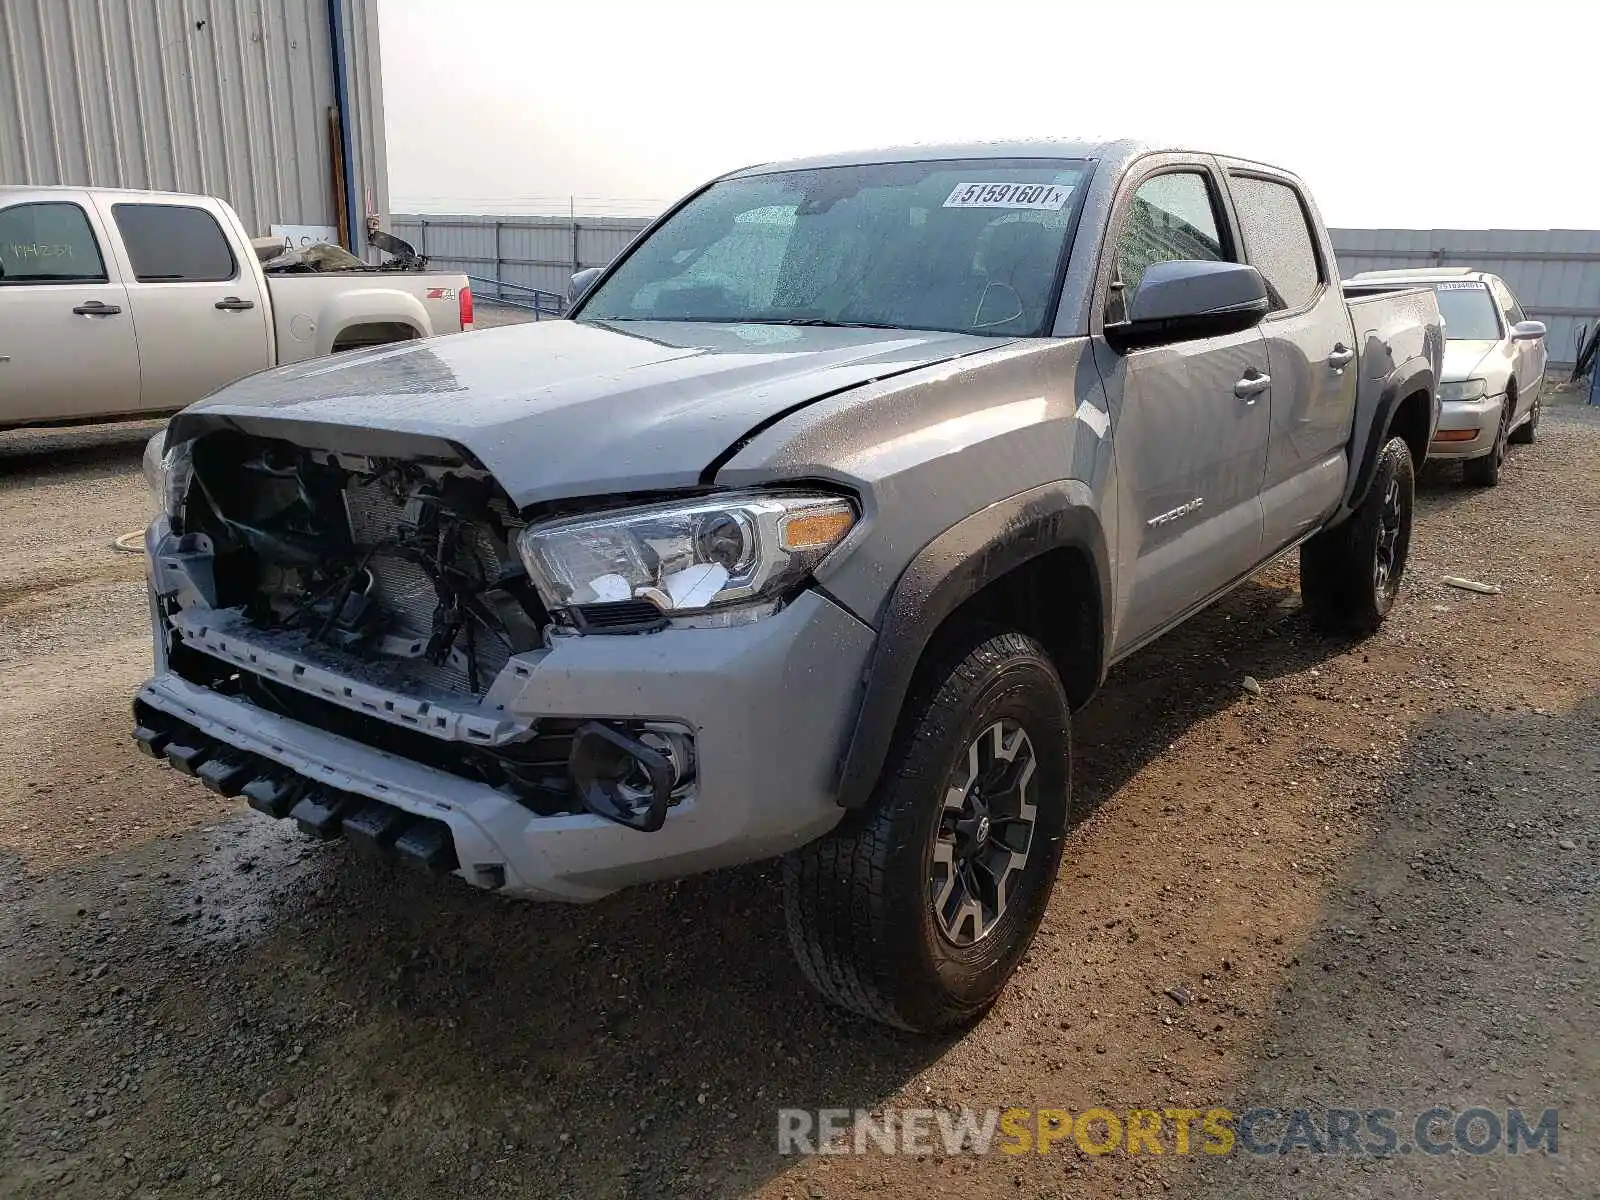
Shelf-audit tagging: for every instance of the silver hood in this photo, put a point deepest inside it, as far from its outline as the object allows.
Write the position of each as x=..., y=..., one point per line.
x=562, y=409
x=1462, y=360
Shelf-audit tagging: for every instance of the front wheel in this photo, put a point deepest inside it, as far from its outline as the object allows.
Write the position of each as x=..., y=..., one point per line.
x=1350, y=574
x=918, y=908
x=1485, y=471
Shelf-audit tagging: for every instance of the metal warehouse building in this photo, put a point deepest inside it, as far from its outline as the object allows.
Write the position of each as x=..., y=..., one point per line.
x=274, y=105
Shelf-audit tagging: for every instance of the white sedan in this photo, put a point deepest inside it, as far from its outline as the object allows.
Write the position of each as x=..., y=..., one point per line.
x=1494, y=360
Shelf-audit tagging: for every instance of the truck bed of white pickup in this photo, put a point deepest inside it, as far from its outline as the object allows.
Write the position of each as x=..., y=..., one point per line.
x=132, y=304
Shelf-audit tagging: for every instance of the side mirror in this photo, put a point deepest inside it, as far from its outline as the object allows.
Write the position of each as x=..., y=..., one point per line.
x=581, y=283
x=1527, y=331
x=1190, y=298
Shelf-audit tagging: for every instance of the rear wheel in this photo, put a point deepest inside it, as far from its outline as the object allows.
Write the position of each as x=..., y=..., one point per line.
x=1529, y=429
x=917, y=909
x=1350, y=574
x=1485, y=471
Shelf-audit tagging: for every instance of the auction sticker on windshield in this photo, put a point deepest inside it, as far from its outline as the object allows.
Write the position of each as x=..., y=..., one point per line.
x=1051, y=196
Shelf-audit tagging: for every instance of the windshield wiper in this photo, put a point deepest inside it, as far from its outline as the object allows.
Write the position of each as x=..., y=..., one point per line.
x=811, y=322
x=824, y=323
x=820, y=322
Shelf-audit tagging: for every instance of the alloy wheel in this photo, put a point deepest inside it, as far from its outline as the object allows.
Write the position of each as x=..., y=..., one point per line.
x=984, y=833
x=1383, y=572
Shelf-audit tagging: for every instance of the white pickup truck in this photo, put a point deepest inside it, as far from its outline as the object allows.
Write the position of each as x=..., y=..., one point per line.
x=121, y=304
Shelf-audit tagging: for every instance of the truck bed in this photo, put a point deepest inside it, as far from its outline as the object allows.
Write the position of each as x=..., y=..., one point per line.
x=309, y=307
x=1392, y=324
x=1392, y=327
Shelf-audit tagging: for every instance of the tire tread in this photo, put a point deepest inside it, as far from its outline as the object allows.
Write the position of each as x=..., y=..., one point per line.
x=836, y=889
x=1336, y=584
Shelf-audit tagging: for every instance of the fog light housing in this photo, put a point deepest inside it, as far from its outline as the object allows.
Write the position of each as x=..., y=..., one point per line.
x=626, y=778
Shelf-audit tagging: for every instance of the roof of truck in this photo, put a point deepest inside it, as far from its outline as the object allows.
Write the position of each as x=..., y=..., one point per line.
x=1096, y=149
x=14, y=188
x=1429, y=273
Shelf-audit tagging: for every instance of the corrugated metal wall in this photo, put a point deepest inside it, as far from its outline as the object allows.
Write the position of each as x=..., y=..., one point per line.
x=1555, y=273
x=536, y=252
x=225, y=97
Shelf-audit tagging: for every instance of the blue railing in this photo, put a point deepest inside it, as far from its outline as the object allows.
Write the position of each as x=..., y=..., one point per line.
x=515, y=295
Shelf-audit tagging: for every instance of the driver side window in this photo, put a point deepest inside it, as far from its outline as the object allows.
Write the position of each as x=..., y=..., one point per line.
x=1173, y=216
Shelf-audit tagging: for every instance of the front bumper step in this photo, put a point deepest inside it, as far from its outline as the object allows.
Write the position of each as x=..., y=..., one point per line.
x=321, y=812
x=226, y=774
x=188, y=752
x=272, y=795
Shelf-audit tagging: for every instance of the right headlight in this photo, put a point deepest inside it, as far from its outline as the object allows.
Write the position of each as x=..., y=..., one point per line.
x=686, y=557
x=168, y=474
x=1464, y=389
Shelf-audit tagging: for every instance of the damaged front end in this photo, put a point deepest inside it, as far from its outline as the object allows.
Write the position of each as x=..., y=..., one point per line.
x=402, y=565
x=380, y=598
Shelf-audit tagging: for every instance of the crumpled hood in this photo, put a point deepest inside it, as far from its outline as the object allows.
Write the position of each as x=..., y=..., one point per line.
x=1462, y=361
x=561, y=409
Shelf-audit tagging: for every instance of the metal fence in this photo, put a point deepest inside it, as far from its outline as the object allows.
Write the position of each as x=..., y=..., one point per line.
x=517, y=253
x=1555, y=273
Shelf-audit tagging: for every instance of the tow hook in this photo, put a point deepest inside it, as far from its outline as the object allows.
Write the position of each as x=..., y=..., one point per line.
x=621, y=778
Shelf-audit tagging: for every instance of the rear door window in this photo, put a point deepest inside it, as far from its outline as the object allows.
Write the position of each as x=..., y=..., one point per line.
x=49, y=242
x=174, y=243
x=1277, y=239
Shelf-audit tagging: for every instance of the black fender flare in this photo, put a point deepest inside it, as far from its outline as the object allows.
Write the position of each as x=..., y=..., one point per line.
x=1414, y=376
x=949, y=570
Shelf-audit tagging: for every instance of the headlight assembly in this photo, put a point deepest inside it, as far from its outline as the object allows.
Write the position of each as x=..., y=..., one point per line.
x=686, y=557
x=168, y=475
x=1464, y=389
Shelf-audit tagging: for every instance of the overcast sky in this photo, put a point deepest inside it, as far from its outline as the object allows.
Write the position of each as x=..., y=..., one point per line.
x=1403, y=113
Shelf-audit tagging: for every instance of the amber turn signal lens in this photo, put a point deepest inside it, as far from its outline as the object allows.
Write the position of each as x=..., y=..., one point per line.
x=1455, y=435
x=816, y=529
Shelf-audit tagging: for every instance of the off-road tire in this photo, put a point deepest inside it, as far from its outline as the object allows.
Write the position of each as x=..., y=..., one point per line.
x=1485, y=471
x=1343, y=582
x=859, y=902
x=1528, y=432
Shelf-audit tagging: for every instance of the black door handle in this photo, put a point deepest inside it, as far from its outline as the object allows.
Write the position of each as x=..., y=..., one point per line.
x=97, y=308
x=234, y=304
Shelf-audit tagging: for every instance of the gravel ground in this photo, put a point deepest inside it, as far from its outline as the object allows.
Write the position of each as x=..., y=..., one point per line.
x=1374, y=884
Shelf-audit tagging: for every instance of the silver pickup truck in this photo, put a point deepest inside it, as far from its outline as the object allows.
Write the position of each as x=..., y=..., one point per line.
x=804, y=537
x=133, y=304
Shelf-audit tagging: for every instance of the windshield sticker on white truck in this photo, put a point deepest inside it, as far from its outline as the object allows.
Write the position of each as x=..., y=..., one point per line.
x=1458, y=287
x=1049, y=196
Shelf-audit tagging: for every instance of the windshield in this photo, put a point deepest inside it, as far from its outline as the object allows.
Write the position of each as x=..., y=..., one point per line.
x=1468, y=312
x=968, y=246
